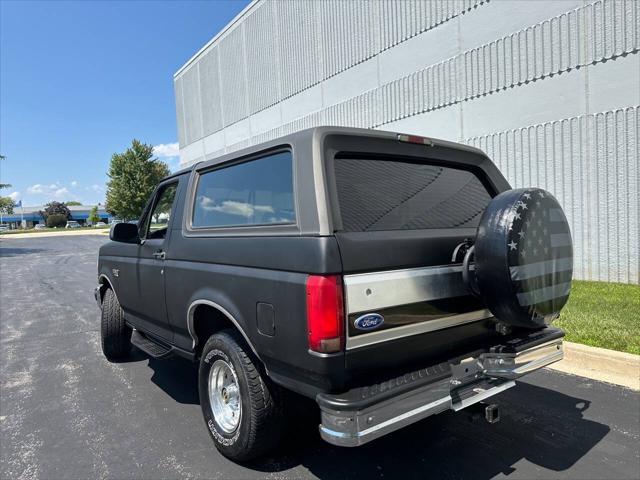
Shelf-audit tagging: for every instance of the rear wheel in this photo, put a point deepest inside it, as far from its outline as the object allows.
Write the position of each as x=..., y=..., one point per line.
x=241, y=406
x=114, y=332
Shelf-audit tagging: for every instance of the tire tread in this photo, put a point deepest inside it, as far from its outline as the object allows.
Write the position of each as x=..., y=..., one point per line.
x=115, y=334
x=265, y=398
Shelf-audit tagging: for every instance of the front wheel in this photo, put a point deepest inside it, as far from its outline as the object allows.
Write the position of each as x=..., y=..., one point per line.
x=114, y=332
x=241, y=406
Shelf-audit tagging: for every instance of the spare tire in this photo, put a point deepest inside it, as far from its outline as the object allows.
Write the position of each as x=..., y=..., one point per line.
x=524, y=257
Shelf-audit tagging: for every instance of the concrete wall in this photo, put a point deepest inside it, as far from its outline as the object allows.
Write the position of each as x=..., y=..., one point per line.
x=549, y=89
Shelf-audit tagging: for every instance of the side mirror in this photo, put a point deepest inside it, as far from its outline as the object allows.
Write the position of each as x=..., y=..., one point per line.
x=124, y=232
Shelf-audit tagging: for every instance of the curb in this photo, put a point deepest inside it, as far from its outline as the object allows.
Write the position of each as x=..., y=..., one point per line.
x=600, y=364
x=61, y=233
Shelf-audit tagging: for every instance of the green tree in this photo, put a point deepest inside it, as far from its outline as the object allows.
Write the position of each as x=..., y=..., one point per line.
x=133, y=175
x=72, y=203
x=6, y=205
x=55, y=208
x=4, y=185
x=56, y=220
x=93, y=216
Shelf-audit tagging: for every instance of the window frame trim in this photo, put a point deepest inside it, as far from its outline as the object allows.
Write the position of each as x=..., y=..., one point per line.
x=147, y=212
x=265, y=229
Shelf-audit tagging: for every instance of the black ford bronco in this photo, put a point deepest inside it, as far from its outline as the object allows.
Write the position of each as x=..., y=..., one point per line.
x=387, y=277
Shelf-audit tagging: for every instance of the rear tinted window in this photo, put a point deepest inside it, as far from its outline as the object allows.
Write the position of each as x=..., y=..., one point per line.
x=258, y=192
x=399, y=195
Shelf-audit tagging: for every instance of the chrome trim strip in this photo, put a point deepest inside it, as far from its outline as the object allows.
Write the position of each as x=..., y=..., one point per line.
x=219, y=307
x=483, y=395
x=416, y=329
x=365, y=292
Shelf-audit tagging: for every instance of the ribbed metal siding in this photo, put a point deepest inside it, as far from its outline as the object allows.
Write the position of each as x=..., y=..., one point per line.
x=261, y=42
x=233, y=76
x=401, y=20
x=210, y=92
x=580, y=37
x=179, y=111
x=590, y=163
x=349, y=34
x=283, y=47
x=298, y=36
x=191, y=104
x=590, y=34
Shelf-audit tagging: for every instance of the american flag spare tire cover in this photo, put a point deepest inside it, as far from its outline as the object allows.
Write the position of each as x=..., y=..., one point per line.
x=524, y=257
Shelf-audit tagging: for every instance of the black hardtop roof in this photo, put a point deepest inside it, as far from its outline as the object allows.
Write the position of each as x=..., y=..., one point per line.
x=317, y=133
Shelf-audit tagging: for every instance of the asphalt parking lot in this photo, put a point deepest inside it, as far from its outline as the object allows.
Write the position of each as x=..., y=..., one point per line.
x=65, y=412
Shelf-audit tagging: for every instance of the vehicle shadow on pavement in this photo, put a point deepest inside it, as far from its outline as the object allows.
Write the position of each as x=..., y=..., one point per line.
x=178, y=378
x=542, y=426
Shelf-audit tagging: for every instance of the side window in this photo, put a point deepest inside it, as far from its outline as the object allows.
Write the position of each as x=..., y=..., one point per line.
x=257, y=192
x=157, y=222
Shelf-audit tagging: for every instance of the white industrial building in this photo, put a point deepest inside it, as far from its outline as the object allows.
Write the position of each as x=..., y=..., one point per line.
x=549, y=89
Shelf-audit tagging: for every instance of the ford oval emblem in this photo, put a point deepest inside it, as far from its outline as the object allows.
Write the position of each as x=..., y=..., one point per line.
x=368, y=321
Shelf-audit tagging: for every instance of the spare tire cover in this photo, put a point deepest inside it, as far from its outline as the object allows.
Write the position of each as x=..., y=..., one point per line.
x=524, y=257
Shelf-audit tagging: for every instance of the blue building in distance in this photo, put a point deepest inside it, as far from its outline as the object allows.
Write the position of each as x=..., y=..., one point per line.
x=31, y=216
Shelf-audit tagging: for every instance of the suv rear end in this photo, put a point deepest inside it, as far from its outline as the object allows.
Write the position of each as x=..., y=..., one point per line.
x=416, y=341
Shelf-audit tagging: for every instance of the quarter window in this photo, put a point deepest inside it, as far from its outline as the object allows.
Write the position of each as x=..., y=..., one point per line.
x=257, y=192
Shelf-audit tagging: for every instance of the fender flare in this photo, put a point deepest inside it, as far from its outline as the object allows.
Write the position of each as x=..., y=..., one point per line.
x=104, y=277
x=225, y=312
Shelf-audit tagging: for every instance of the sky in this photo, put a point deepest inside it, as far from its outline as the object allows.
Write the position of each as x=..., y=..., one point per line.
x=80, y=79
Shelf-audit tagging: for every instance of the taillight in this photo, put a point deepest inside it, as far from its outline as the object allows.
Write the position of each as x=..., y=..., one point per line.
x=325, y=315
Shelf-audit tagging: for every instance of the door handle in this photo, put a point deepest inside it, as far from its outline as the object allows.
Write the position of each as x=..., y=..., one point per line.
x=159, y=254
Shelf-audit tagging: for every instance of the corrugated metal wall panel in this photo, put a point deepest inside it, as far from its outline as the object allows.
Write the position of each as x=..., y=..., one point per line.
x=179, y=111
x=590, y=163
x=316, y=40
x=349, y=34
x=210, y=92
x=261, y=42
x=233, y=78
x=191, y=104
x=300, y=52
x=403, y=19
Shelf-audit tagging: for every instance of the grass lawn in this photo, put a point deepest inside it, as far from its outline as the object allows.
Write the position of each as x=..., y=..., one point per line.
x=603, y=315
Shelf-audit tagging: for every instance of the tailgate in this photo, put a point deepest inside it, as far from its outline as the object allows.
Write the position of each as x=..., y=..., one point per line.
x=399, y=211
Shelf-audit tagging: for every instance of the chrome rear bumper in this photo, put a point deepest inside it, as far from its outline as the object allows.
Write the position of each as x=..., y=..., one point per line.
x=364, y=414
x=514, y=365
